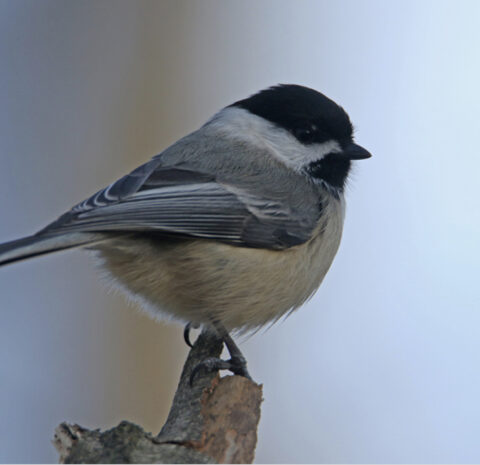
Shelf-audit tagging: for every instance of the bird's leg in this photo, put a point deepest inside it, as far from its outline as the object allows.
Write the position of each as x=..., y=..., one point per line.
x=237, y=360
x=236, y=364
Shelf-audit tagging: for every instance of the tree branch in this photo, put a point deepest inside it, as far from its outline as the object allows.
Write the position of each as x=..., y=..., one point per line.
x=215, y=420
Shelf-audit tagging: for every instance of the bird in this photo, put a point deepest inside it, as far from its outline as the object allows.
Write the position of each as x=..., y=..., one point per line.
x=230, y=228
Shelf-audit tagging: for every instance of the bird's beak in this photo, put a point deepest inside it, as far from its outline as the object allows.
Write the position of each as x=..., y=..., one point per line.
x=355, y=152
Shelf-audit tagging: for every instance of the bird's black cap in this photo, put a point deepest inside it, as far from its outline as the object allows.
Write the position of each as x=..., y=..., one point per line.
x=309, y=115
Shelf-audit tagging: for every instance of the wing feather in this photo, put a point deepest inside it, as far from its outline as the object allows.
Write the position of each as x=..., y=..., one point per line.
x=182, y=201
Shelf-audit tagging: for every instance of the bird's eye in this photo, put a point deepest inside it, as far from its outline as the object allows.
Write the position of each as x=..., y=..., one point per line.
x=305, y=134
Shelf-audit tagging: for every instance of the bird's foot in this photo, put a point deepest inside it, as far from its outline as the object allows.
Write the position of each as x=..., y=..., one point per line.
x=237, y=365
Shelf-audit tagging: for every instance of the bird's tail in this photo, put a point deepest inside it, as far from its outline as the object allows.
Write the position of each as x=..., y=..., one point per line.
x=35, y=245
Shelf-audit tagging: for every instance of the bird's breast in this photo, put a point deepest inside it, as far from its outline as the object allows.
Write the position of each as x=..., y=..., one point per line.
x=244, y=288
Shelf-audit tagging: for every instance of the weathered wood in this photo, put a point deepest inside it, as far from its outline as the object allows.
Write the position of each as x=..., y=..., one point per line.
x=213, y=421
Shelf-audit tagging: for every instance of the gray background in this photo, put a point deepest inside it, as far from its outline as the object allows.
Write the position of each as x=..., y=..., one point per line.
x=382, y=364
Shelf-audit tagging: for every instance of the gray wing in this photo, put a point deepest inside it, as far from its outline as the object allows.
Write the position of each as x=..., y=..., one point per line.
x=176, y=200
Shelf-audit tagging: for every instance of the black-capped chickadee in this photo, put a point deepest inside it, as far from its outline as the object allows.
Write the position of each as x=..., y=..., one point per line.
x=233, y=225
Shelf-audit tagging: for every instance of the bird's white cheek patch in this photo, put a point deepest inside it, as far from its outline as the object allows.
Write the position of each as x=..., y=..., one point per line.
x=316, y=152
x=296, y=155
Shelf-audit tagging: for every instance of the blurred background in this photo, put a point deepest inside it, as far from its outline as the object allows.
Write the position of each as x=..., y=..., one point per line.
x=382, y=364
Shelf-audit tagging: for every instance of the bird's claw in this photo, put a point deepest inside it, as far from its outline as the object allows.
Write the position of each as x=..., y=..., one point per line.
x=186, y=334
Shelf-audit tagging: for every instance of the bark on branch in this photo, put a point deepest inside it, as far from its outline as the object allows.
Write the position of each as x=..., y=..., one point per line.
x=213, y=421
